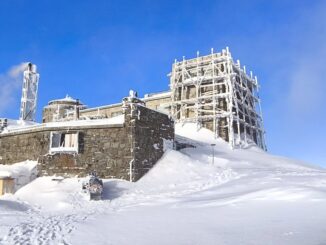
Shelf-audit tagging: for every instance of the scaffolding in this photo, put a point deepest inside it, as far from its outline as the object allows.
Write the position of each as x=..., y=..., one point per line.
x=216, y=93
x=29, y=93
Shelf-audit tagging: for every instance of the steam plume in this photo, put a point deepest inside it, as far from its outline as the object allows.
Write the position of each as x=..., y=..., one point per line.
x=10, y=85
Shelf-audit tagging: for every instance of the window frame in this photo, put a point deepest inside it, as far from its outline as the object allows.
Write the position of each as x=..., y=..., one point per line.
x=63, y=148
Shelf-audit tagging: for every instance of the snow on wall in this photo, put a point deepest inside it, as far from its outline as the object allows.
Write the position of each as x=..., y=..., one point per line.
x=22, y=172
x=21, y=126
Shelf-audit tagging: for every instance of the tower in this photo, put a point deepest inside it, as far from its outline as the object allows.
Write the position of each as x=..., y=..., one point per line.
x=29, y=93
x=216, y=93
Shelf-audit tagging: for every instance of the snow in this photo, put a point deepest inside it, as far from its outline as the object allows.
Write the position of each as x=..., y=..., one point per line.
x=66, y=99
x=118, y=120
x=23, y=172
x=5, y=174
x=18, y=124
x=156, y=146
x=156, y=95
x=244, y=196
x=89, y=122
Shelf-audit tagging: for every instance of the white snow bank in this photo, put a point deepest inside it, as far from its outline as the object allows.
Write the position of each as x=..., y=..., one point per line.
x=5, y=174
x=250, y=157
x=51, y=195
x=22, y=172
x=178, y=171
x=12, y=205
x=190, y=131
x=241, y=196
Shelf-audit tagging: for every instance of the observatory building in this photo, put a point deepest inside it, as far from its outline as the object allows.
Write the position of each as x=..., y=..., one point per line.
x=124, y=140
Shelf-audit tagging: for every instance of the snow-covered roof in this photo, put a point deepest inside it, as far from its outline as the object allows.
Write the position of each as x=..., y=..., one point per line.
x=5, y=174
x=102, y=107
x=114, y=121
x=157, y=95
x=89, y=122
x=147, y=97
x=67, y=99
x=18, y=124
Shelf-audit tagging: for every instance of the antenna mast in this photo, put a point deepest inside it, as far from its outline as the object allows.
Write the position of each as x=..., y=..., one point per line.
x=29, y=93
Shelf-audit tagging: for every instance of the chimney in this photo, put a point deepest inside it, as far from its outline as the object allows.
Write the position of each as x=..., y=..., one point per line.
x=77, y=109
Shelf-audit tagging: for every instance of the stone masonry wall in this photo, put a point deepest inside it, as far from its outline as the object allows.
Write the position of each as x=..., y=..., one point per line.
x=151, y=131
x=105, y=149
x=18, y=147
x=113, y=151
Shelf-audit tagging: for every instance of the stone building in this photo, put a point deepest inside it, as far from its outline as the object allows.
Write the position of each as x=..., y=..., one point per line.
x=125, y=146
x=212, y=91
x=160, y=102
x=65, y=109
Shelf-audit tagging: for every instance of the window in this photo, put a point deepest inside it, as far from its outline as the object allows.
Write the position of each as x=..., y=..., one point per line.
x=116, y=113
x=64, y=142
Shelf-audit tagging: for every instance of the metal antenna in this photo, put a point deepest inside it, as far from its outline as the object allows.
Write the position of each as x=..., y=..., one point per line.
x=29, y=93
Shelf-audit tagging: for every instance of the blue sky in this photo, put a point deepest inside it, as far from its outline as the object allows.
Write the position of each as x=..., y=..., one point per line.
x=97, y=50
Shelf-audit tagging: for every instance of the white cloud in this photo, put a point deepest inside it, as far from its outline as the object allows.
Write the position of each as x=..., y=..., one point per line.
x=10, y=84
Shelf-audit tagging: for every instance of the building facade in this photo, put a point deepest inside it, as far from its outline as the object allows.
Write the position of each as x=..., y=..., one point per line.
x=125, y=147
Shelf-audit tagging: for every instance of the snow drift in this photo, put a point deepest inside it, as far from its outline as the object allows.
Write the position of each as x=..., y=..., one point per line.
x=23, y=172
x=242, y=196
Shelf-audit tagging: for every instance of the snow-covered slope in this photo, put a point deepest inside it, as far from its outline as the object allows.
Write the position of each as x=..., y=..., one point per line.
x=242, y=196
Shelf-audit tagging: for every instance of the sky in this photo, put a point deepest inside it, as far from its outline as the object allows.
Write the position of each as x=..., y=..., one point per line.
x=97, y=51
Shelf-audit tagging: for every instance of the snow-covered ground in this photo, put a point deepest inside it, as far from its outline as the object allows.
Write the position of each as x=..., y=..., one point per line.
x=242, y=196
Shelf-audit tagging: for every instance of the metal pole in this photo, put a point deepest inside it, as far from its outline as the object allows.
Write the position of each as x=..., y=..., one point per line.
x=213, y=153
